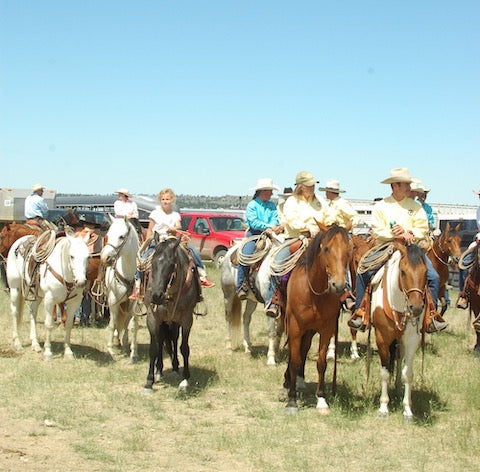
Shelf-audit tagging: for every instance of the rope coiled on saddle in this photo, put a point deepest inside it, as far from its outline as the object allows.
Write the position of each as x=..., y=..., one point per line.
x=262, y=245
x=278, y=269
x=43, y=246
x=375, y=257
x=144, y=264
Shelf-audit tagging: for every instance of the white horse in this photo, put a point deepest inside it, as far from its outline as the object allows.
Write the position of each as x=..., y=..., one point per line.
x=398, y=318
x=118, y=256
x=62, y=278
x=233, y=308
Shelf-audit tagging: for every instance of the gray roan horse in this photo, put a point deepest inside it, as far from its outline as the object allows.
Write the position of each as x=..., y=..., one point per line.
x=233, y=308
x=171, y=296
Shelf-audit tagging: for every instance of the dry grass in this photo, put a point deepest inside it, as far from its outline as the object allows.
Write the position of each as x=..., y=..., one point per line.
x=231, y=417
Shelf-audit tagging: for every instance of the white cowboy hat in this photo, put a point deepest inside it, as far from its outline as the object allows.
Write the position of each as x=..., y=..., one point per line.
x=265, y=184
x=399, y=174
x=287, y=191
x=124, y=191
x=332, y=186
x=305, y=178
x=477, y=192
x=418, y=187
x=37, y=187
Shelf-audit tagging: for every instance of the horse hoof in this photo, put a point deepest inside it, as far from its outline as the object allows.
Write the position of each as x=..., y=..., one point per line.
x=146, y=392
x=407, y=419
x=271, y=362
x=383, y=415
x=291, y=410
x=323, y=411
x=354, y=356
x=68, y=356
x=47, y=357
x=183, y=385
x=18, y=347
x=134, y=360
x=330, y=355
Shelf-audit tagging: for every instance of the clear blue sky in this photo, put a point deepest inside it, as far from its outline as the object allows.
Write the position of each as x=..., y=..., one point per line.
x=208, y=96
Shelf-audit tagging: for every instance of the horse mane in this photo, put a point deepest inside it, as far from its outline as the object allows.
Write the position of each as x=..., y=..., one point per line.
x=415, y=254
x=313, y=248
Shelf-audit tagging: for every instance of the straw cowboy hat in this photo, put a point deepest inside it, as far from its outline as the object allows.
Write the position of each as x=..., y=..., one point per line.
x=37, y=187
x=418, y=187
x=305, y=178
x=399, y=174
x=332, y=186
x=124, y=191
x=287, y=192
x=265, y=184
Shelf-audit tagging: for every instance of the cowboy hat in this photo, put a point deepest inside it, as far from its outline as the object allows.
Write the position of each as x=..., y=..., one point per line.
x=477, y=192
x=305, y=178
x=399, y=174
x=332, y=186
x=124, y=191
x=37, y=187
x=265, y=184
x=287, y=191
x=418, y=187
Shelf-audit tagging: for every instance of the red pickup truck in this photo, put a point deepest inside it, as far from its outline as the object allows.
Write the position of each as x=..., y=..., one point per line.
x=213, y=233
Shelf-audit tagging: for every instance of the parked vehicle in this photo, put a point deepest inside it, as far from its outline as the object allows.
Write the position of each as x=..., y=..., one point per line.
x=98, y=219
x=213, y=233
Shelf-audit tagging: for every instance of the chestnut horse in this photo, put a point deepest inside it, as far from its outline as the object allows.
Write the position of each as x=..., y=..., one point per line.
x=313, y=306
x=447, y=246
x=398, y=308
x=360, y=245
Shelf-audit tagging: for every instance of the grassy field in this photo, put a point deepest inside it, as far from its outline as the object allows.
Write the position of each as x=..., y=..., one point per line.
x=89, y=414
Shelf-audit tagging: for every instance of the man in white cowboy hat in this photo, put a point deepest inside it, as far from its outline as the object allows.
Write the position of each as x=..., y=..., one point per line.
x=398, y=217
x=35, y=206
x=125, y=206
x=420, y=192
x=261, y=216
x=337, y=210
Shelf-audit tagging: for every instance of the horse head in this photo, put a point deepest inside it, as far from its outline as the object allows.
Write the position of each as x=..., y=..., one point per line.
x=78, y=255
x=450, y=244
x=165, y=270
x=412, y=277
x=117, y=236
x=332, y=249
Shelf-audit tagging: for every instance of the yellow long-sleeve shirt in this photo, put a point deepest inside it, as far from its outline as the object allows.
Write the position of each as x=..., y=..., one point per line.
x=300, y=215
x=407, y=213
x=339, y=211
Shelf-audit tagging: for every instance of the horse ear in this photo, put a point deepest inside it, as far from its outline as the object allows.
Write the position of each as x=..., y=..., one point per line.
x=156, y=237
x=457, y=228
x=401, y=247
x=447, y=229
x=321, y=226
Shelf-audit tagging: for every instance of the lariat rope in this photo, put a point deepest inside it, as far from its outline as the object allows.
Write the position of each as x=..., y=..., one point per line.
x=375, y=257
x=262, y=245
x=278, y=269
x=43, y=246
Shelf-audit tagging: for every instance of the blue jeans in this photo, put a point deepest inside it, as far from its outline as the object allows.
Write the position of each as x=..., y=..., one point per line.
x=281, y=256
x=433, y=282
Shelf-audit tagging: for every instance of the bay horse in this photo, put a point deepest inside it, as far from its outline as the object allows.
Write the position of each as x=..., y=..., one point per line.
x=313, y=306
x=447, y=246
x=172, y=292
x=118, y=258
x=398, y=307
x=233, y=308
x=61, y=279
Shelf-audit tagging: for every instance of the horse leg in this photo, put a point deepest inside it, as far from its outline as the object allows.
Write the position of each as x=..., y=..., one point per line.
x=133, y=330
x=331, y=349
x=273, y=343
x=172, y=342
x=233, y=317
x=410, y=341
x=294, y=366
x=161, y=337
x=71, y=308
x=476, y=349
x=185, y=350
x=16, y=310
x=384, y=353
x=155, y=351
x=49, y=323
x=304, y=348
x=354, y=347
x=247, y=319
x=112, y=327
x=322, y=406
